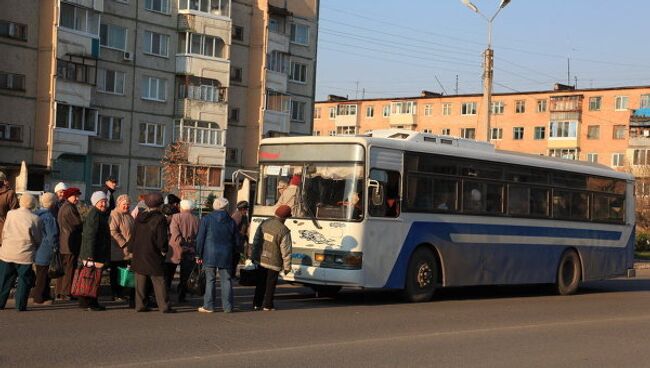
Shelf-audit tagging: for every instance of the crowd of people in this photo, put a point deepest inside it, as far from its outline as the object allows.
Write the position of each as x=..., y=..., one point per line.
x=151, y=239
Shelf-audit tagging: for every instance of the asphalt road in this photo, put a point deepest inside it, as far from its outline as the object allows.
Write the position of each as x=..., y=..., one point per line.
x=606, y=325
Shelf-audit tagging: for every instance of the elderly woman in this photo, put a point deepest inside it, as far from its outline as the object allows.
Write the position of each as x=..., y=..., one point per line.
x=122, y=226
x=49, y=244
x=21, y=237
x=70, y=227
x=95, y=242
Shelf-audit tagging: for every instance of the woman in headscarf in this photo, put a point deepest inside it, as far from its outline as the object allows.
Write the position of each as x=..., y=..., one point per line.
x=122, y=226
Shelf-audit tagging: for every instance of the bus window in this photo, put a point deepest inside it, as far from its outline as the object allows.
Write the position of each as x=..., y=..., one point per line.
x=482, y=197
x=444, y=196
x=389, y=183
x=570, y=205
x=539, y=202
x=518, y=200
x=607, y=208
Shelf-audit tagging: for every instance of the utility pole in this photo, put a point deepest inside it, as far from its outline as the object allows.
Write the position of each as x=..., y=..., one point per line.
x=356, y=90
x=568, y=71
x=363, y=93
x=456, y=84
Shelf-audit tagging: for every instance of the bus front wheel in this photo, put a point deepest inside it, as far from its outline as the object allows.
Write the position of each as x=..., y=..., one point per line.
x=421, y=276
x=568, y=273
x=325, y=291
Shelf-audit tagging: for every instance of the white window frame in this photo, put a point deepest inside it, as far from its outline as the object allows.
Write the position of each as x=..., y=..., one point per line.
x=446, y=108
x=370, y=112
x=294, y=32
x=298, y=72
x=557, y=130
x=644, y=101
x=332, y=113
x=536, y=135
x=428, y=109
x=518, y=133
x=386, y=111
x=404, y=108
x=618, y=159
x=498, y=135
x=464, y=133
x=202, y=52
x=298, y=110
x=542, y=105
x=201, y=133
x=118, y=78
x=445, y=131
x=497, y=108
x=88, y=14
x=317, y=113
x=108, y=41
x=592, y=157
x=112, y=121
x=149, y=80
x=278, y=61
x=332, y=133
x=614, y=130
x=595, y=103
x=520, y=106
x=5, y=129
x=164, y=6
x=157, y=127
x=163, y=43
x=346, y=110
x=596, y=128
x=468, y=108
x=12, y=81
x=68, y=126
x=111, y=172
x=621, y=103
x=144, y=184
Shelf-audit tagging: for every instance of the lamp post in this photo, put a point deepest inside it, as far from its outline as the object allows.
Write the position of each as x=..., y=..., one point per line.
x=488, y=59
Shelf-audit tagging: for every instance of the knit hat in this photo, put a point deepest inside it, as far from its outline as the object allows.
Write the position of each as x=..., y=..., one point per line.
x=60, y=186
x=220, y=203
x=173, y=199
x=242, y=204
x=98, y=196
x=48, y=200
x=3, y=176
x=122, y=198
x=70, y=192
x=27, y=201
x=186, y=204
x=153, y=200
x=283, y=211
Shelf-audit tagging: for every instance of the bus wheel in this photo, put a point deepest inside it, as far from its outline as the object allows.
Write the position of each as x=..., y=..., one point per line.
x=326, y=291
x=421, y=276
x=568, y=273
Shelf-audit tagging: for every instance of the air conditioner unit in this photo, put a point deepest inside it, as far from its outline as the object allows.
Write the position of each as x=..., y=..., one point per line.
x=128, y=56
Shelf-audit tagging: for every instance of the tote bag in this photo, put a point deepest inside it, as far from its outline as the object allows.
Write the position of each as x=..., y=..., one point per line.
x=86, y=282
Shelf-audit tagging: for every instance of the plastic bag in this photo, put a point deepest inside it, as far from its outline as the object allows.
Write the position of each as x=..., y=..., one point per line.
x=55, y=269
x=196, y=281
x=126, y=277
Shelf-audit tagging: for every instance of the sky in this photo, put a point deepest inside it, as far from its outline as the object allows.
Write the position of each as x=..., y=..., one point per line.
x=382, y=48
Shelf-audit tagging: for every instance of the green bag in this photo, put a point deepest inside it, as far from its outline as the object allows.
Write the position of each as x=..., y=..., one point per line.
x=126, y=277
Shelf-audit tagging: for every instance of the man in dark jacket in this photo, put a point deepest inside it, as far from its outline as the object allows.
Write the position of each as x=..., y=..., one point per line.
x=149, y=246
x=70, y=229
x=109, y=188
x=272, y=254
x=215, y=244
x=8, y=201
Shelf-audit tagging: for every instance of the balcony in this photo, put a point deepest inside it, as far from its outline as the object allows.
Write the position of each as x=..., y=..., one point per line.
x=70, y=143
x=407, y=120
x=346, y=120
x=72, y=42
x=204, y=66
x=278, y=42
x=198, y=23
x=202, y=110
x=276, y=121
x=276, y=81
x=639, y=130
x=206, y=155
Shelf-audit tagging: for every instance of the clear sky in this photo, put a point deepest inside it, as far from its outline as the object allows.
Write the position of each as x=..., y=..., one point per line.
x=399, y=47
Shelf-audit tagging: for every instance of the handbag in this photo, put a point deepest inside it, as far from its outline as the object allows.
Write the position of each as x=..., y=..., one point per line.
x=86, y=281
x=126, y=277
x=55, y=269
x=196, y=281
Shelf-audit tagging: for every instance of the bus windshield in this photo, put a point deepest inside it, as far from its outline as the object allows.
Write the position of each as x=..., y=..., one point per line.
x=328, y=191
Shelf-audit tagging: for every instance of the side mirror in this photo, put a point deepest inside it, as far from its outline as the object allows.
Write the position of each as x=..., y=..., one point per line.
x=376, y=192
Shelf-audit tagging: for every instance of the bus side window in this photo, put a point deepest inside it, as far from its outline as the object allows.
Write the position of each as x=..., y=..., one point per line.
x=389, y=182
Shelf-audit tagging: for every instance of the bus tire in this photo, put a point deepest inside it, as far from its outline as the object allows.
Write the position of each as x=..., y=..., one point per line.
x=569, y=273
x=326, y=291
x=421, y=276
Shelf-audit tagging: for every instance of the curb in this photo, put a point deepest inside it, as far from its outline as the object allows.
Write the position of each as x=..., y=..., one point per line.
x=641, y=265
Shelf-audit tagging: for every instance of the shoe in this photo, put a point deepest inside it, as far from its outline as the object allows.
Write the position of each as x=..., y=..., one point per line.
x=268, y=309
x=96, y=308
x=143, y=310
x=64, y=298
x=170, y=310
x=119, y=299
x=204, y=310
x=256, y=308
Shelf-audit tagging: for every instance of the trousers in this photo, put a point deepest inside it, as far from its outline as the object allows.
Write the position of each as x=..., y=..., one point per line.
x=41, y=290
x=158, y=288
x=267, y=280
x=8, y=273
x=64, y=283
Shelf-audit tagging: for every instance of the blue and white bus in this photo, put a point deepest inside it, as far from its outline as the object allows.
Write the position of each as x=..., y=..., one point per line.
x=398, y=209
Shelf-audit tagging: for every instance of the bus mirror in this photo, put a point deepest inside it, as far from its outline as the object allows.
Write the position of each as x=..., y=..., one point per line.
x=376, y=192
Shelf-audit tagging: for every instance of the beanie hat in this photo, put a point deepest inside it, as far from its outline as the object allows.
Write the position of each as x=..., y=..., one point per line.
x=173, y=199
x=70, y=192
x=153, y=200
x=48, y=200
x=242, y=204
x=98, y=196
x=283, y=211
x=186, y=204
x=27, y=201
x=60, y=186
x=220, y=203
x=3, y=176
x=122, y=198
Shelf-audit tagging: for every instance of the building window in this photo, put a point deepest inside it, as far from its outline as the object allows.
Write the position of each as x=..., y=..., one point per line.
x=346, y=109
x=468, y=133
x=236, y=74
x=386, y=111
x=316, y=133
x=370, y=111
x=278, y=62
x=618, y=159
x=76, y=118
x=619, y=132
x=593, y=132
x=11, y=132
x=202, y=89
x=427, y=110
x=520, y=107
x=346, y=130
x=156, y=43
x=149, y=177
x=276, y=101
x=445, y=131
x=332, y=113
x=446, y=108
x=298, y=72
x=200, y=176
x=468, y=108
x=110, y=81
x=233, y=115
x=565, y=153
x=407, y=107
x=299, y=34
x=12, y=81
x=200, y=44
x=237, y=33
x=563, y=129
x=540, y=133
x=110, y=128
x=317, y=113
x=641, y=157
x=102, y=171
x=592, y=157
x=79, y=19
x=13, y=30
x=427, y=131
x=198, y=132
x=298, y=110
x=496, y=133
x=497, y=108
x=518, y=133
x=621, y=103
x=332, y=133
x=154, y=89
x=645, y=101
x=112, y=36
x=161, y=6
x=594, y=103
x=75, y=71
x=152, y=134
x=541, y=105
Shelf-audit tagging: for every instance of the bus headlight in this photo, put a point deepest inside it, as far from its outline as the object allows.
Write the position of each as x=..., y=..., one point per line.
x=339, y=259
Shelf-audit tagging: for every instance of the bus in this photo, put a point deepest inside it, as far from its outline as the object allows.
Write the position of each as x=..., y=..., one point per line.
x=399, y=209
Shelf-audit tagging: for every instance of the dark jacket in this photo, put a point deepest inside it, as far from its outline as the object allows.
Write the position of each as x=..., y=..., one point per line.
x=70, y=227
x=272, y=245
x=216, y=240
x=149, y=243
x=50, y=239
x=96, y=237
x=8, y=202
x=110, y=205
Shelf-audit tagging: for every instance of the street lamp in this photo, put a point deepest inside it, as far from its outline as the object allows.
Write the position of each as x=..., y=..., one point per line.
x=488, y=60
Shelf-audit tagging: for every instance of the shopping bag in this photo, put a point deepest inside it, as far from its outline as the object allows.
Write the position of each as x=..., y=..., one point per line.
x=196, y=281
x=86, y=282
x=126, y=277
x=55, y=269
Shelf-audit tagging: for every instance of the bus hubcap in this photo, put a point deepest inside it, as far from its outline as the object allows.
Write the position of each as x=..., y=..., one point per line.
x=425, y=275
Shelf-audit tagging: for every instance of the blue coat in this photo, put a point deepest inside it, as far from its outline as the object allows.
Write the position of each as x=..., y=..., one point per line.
x=216, y=240
x=50, y=238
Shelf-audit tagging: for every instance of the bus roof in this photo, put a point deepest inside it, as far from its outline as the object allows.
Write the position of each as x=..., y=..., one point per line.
x=409, y=140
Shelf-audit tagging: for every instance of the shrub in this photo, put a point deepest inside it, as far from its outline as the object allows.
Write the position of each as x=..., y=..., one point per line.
x=642, y=242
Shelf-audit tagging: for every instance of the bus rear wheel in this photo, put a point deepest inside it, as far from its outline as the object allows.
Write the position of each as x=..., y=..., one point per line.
x=326, y=291
x=568, y=273
x=421, y=276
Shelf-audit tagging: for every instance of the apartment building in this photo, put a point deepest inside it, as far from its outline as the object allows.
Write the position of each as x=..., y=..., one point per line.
x=609, y=126
x=98, y=88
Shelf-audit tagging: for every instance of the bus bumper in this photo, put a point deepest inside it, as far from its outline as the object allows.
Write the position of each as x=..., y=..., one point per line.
x=324, y=276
